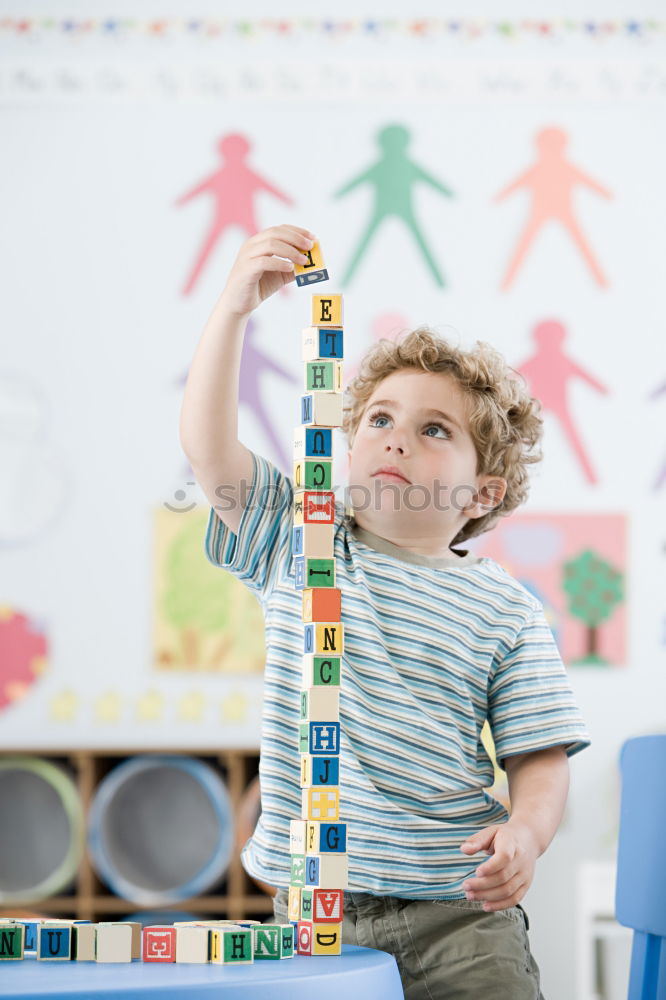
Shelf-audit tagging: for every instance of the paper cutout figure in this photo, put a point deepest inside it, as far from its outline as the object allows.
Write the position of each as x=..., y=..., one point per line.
x=204, y=620
x=661, y=476
x=548, y=373
x=551, y=182
x=23, y=655
x=234, y=187
x=393, y=177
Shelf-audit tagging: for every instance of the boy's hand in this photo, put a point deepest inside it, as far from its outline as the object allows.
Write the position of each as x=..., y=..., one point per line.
x=504, y=878
x=259, y=269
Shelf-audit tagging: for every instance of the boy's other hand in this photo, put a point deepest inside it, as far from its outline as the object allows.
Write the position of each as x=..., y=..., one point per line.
x=260, y=269
x=504, y=878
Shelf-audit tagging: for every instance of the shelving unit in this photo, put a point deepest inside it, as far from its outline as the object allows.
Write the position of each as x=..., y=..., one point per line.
x=90, y=898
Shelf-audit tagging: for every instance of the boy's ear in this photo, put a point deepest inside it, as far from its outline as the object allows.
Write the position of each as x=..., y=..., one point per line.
x=490, y=494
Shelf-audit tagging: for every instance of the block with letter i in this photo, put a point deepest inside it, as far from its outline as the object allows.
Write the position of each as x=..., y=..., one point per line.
x=318, y=839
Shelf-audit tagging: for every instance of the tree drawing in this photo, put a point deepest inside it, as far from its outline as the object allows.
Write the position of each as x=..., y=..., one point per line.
x=594, y=588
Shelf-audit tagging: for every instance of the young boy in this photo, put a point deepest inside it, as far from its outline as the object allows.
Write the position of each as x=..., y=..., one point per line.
x=437, y=640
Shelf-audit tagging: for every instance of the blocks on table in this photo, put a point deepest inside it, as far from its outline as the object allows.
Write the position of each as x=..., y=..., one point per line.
x=114, y=942
x=326, y=871
x=159, y=943
x=232, y=945
x=273, y=941
x=54, y=941
x=318, y=939
x=84, y=943
x=193, y=944
x=12, y=941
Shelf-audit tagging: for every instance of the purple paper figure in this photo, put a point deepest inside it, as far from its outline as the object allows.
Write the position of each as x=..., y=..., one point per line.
x=233, y=188
x=551, y=181
x=661, y=477
x=548, y=373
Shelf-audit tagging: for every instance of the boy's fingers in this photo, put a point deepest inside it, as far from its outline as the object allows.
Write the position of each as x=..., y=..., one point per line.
x=278, y=247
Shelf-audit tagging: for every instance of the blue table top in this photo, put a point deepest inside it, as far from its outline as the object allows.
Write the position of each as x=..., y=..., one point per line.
x=357, y=972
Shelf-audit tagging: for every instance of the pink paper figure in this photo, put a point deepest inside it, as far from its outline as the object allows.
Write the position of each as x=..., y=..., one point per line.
x=661, y=477
x=548, y=372
x=233, y=188
x=551, y=182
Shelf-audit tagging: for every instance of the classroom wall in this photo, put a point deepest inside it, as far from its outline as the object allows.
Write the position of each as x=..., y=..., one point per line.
x=112, y=260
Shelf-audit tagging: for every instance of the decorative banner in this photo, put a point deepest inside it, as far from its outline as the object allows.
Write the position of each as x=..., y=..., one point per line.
x=204, y=620
x=23, y=655
x=575, y=565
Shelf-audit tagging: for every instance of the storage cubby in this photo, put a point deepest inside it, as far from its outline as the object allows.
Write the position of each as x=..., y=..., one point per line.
x=90, y=898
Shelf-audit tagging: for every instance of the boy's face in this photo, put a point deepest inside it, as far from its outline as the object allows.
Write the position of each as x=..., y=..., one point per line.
x=434, y=451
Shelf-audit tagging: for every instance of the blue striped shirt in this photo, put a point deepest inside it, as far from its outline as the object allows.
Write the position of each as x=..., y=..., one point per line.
x=433, y=646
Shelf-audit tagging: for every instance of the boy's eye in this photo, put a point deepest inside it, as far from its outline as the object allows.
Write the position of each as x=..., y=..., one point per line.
x=381, y=415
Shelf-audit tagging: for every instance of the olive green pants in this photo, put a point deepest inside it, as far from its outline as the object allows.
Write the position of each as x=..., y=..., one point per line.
x=448, y=949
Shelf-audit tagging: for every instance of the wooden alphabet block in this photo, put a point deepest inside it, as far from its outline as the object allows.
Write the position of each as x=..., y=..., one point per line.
x=313, y=541
x=327, y=310
x=322, y=604
x=297, y=836
x=323, y=638
x=12, y=942
x=114, y=942
x=297, y=877
x=312, y=442
x=325, y=838
x=327, y=906
x=321, y=671
x=321, y=804
x=321, y=703
x=322, y=342
x=84, y=945
x=287, y=941
x=294, y=903
x=306, y=904
x=313, y=474
x=54, y=941
x=304, y=937
x=193, y=944
x=136, y=936
x=319, y=771
x=313, y=507
x=232, y=945
x=313, y=573
x=322, y=408
x=321, y=739
x=323, y=376
x=326, y=871
x=30, y=943
x=314, y=270
x=268, y=942
x=326, y=939
x=159, y=944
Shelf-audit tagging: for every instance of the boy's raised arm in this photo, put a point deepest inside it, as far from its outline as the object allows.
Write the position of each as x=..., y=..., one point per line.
x=209, y=413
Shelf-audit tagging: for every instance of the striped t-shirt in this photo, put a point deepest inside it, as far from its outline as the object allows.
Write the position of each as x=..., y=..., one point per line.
x=432, y=647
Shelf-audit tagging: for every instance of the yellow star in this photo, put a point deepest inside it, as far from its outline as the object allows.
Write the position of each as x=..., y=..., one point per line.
x=150, y=706
x=64, y=706
x=234, y=707
x=191, y=707
x=108, y=707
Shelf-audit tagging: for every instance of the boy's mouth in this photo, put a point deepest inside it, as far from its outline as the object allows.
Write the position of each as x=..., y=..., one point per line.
x=390, y=471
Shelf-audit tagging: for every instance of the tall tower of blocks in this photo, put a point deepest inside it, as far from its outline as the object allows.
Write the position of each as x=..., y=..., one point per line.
x=318, y=839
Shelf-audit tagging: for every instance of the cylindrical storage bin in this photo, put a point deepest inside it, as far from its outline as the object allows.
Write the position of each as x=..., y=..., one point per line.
x=41, y=829
x=160, y=829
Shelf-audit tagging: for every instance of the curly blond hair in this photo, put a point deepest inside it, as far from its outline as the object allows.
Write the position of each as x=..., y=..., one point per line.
x=504, y=420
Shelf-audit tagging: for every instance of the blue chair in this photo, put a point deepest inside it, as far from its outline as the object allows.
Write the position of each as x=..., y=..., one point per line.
x=640, y=892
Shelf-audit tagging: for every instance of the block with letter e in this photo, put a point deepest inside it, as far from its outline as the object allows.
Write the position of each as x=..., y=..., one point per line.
x=327, y=310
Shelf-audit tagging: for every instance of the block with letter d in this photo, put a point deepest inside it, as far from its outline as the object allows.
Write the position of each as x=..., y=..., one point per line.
x=322, y=408
x=321, y=804
x=322, y=342
x=322, y=604
x=313, y=541
x=314, y=270
x=314, y=507
x=326, y=938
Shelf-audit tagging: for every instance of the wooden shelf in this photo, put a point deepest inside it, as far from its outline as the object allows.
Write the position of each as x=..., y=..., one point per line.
x=237, y=896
